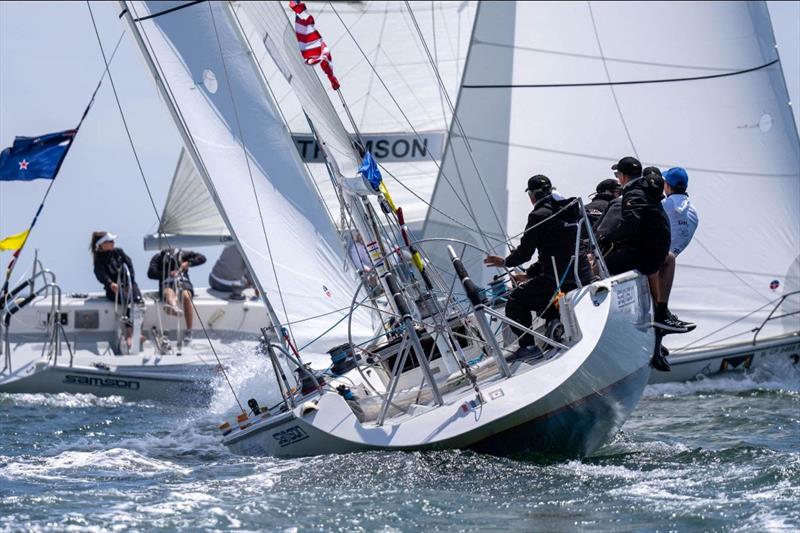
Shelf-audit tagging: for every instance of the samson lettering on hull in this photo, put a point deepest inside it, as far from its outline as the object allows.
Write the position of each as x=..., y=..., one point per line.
x=387, y=147
x=94, y=381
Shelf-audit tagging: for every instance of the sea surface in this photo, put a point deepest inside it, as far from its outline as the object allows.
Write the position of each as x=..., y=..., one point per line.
x=720, y=454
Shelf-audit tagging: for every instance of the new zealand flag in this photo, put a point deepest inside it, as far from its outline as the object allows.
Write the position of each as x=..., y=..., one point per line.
x=33, y=158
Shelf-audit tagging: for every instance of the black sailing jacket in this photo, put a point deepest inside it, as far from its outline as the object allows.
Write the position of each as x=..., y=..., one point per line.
x=636, y=220
x=552, y=237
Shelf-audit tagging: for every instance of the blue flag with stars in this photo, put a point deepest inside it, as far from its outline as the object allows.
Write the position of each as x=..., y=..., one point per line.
x=31, y=158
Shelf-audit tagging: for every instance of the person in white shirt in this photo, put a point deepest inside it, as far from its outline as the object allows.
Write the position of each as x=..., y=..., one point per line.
x=683, y=221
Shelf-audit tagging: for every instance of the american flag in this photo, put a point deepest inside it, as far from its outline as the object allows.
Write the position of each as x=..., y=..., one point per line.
x=312, y=46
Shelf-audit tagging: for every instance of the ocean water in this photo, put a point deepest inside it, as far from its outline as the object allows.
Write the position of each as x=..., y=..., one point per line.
x=716, y=455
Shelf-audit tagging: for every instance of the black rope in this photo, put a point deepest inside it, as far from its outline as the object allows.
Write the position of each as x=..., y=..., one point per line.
x=166, y=11
x=632, y=82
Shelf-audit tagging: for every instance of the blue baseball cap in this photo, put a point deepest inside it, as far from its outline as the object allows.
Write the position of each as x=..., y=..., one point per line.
x=676, y=177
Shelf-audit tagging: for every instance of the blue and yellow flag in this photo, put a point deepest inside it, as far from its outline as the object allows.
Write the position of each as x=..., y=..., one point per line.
x=14, y=242
x=31, y=158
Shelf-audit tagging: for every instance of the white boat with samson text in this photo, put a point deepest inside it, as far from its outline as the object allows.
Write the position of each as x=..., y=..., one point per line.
x=379, y=351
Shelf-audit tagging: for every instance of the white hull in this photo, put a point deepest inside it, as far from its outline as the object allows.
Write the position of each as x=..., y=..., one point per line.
x=130, y=382
x=90, y=363
x=698, y=364
x=569, y=405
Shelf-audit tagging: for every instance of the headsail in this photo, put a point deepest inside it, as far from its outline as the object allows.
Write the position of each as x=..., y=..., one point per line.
x=241, y=147
x=588, y=83
x=190, y=217
x=385, y=33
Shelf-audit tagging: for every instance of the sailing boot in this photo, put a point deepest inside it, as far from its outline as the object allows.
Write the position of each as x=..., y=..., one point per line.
x=689, y=325
x=659, y=361
x=664, y=323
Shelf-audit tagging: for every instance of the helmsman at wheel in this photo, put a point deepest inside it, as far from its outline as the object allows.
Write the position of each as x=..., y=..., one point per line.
x=551, y=229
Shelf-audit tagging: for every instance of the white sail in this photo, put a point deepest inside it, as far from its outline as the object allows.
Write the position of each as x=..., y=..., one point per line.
x=697, y=85
x=244, y=152
x=189, y=209
x=385, y=32
x=279, y=38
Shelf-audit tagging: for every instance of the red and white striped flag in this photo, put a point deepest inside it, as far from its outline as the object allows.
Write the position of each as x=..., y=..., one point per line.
x=312, y=46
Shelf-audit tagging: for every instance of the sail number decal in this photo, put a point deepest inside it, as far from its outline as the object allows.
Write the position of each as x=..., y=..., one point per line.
x=290, y=436
x=626, y=299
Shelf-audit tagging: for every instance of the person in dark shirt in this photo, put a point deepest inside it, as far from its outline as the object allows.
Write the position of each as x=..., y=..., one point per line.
x=114, y=269
x=637, y=236
x=551, y=230
x=606, y=191
x=171, y=268
x=640, y=237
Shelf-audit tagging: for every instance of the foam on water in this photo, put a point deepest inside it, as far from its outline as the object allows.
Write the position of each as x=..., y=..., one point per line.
x=62, y=400
x=776, y=374
x=720, y=454
x=251, y=375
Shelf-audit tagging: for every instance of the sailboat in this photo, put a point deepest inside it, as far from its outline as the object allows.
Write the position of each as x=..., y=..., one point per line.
x=412, y=367
x=54, y=342
x=560, y=89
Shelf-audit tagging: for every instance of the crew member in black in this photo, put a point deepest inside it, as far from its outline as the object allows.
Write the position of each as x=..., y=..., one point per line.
x=171, y=269
x=114, y=269
x=637, y=236
x=551, y=229
x=606, y=191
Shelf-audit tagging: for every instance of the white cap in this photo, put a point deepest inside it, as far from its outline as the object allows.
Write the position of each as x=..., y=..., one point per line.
x=105, y=238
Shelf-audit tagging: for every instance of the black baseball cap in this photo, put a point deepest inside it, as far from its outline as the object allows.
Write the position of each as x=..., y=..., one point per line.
x=608, y=185
x=539, y=182
x=630, y=166
x=651, y=170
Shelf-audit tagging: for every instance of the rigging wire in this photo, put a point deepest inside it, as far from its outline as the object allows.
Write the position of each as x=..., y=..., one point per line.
x=456, y=120
x=408, y=121
x=280, y=111
x=150, y=194
x=249, y=169
x=608, y=76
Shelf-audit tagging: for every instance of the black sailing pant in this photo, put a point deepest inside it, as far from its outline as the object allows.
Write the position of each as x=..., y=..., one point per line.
x=619, y=260
x=532, y=296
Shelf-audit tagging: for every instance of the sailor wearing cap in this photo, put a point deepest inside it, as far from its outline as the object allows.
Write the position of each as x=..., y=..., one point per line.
x=550, y=230
x=606, y=191
x=682, y=215
x=114, y=269
x=683, y=222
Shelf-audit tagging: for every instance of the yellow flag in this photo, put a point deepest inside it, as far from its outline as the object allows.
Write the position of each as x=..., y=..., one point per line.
x=14, y=242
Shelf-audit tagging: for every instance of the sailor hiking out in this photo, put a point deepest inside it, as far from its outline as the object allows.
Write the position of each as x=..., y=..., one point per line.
x=551, y=229
x=683, y=222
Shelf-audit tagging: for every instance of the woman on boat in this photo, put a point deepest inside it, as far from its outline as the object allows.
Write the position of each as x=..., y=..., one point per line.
x=114, y=269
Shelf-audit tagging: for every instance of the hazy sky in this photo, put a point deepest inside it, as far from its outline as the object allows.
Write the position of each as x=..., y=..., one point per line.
x=49, y=65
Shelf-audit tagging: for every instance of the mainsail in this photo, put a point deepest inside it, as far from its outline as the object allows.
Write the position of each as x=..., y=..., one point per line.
x=580, y=85
x=238, y=142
